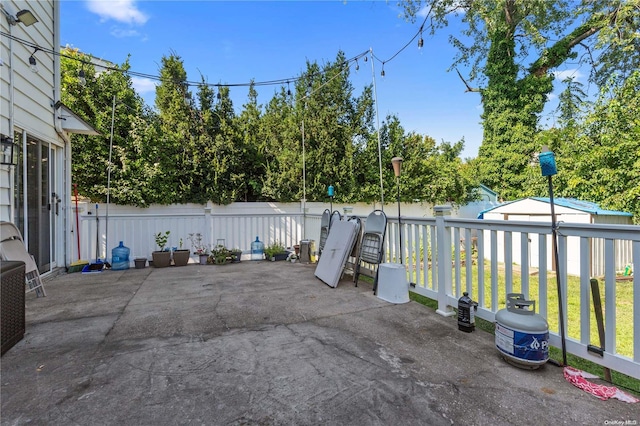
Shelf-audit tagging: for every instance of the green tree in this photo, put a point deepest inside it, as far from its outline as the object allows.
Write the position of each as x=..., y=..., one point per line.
x=177, y=146
x=93, y=102
x=572, y=103
x=605, y=158
x=281, y=132
x=503, y=35
x=252, y=149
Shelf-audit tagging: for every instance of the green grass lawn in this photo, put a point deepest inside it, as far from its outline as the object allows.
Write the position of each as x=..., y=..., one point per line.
x=624, y=314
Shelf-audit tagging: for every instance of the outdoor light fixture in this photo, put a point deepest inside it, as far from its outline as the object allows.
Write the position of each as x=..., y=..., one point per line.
x=81, y=78
x=382, y=72
x=25, y=17
x=397, y=170
x=33, y=64
x=7, y=149
x=288, y=89
x=358, y=65
x=420, y=42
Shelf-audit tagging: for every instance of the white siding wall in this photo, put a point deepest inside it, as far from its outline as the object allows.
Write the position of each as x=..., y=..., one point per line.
x=33, y=93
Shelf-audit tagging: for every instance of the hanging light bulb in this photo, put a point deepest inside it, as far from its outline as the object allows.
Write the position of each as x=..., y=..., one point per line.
x=420, y=42
x=382, y=72
x=33, y=64
x=288, y=89
x=365, y=59
x=219, y=96
x=81, y=78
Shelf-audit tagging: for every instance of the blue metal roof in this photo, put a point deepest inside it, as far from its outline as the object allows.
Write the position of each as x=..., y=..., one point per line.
x=585, y=206
x=572, y=203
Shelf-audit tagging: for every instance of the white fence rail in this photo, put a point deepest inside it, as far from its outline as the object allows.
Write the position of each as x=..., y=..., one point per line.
x=436, y=254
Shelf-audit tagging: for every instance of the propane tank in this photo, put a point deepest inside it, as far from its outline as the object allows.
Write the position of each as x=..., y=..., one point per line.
x=522, y=336
x=466, y=314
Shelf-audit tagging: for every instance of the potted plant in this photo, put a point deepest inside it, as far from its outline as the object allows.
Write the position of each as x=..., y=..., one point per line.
x=236, y=255
x=220, y=254
x=181, y=256
x=275, y=251
x=162, y=257
x=198, y=248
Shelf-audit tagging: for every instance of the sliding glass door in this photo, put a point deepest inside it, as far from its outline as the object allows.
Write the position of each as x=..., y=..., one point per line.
x=36, y=201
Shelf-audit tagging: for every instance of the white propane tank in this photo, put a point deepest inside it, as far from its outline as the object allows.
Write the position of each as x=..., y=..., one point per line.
x=522, y=336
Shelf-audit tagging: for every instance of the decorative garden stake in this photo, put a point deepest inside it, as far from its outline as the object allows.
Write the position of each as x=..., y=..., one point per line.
x=330, y=194
x=548, y=168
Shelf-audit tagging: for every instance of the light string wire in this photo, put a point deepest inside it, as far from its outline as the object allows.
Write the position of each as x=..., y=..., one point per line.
x=274, y=82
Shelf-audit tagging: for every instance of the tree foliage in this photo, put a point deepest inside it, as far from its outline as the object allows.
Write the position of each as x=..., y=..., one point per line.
x=512, y=48
x=193, y=147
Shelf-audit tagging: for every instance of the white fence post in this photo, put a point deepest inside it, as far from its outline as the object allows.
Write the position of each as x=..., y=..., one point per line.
x=444, y=261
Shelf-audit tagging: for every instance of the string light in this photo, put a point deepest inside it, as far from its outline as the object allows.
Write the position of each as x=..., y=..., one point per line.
x=82, y=78
x=288, y=89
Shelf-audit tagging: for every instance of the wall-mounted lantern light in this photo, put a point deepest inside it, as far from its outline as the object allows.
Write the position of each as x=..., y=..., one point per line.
x=7, y=151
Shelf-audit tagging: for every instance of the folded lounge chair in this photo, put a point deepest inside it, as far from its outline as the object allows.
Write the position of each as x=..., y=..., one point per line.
x=12, y=248
x=372, y=245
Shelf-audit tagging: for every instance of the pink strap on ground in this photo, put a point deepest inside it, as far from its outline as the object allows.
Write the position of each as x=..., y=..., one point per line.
x=578, y=378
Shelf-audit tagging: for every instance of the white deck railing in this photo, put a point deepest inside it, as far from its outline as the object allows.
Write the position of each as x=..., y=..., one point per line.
x=436, y=251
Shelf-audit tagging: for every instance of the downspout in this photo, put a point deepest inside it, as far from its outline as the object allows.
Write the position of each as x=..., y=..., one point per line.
x=66, y=176
x=11, y=131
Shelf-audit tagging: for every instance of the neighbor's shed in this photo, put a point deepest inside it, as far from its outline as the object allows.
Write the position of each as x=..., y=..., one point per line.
x=538, y=209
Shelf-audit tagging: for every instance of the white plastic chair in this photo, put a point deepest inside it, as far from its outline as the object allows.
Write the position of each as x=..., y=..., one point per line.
x=372, y=246
x=12, y=248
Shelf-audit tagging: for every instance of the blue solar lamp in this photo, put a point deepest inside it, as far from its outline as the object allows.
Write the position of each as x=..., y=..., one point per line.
x=548, y=168
x=330, y=193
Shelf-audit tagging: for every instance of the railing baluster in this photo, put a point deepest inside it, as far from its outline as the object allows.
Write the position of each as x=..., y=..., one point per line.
x=609, y=297
x=585, y=289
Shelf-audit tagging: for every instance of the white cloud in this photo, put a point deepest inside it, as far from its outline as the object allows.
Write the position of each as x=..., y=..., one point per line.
x=570, y=73
x=552, y=96
x=120, y=33
x=124, y=11
x=143, y=85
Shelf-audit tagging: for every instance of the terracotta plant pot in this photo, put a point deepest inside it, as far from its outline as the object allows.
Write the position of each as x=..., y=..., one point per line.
x=181, y=257
x=161, y=259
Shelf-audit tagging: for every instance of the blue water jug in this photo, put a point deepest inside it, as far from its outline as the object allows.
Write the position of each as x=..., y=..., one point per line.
x=257, y=250
x=120, y=258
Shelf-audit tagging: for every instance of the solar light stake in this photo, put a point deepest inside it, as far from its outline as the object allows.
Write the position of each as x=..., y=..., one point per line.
x=330, y=192
x=397, y=169
x=548, y=168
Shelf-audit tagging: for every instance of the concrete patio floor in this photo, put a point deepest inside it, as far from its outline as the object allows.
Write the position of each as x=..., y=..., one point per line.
x=262, y=343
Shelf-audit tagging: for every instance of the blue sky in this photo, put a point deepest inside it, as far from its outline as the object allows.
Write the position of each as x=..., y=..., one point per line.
x=234, y=42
